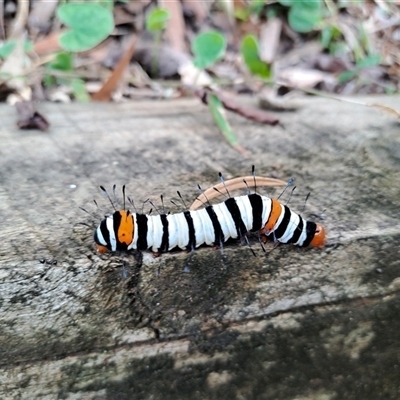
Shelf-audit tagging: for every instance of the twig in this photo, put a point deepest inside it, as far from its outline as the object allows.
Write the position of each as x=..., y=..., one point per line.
x=246, y=111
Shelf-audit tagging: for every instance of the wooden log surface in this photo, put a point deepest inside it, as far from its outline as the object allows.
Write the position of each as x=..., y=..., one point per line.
x=287, y=324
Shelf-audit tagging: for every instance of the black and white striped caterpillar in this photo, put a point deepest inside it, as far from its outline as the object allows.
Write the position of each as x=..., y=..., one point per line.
x=212, y=225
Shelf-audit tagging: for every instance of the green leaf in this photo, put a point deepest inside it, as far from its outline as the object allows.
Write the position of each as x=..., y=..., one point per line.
x=208, y=47
x=339, y=48
x=286, y=3
x=109, y=4
x=305, y=15
x=7, y=48
x=326, y=36
x=346, y=76
x=249, y=50
x=241, y=14
x=272, y=13
x=218, y=112
x=256, y=6
x=369, y=61
x=62, y=62
x=79, y=90
x=310, y=4
x=157, y=20
x=389, y=90
x=49, y=80
x=89, y=23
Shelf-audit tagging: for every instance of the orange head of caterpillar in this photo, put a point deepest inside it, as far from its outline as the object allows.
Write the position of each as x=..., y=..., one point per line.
x=115, y=232
x=319, y=238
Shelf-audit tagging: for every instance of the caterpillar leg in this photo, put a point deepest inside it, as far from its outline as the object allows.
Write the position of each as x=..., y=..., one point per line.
x=263, y=238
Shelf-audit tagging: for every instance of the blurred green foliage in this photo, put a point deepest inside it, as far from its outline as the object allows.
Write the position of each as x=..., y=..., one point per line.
x=208, y=47
x=60, y=72
x=250, y=53
x=304, y=15
x=157, y=20
x=8, y=47
x=89, y=24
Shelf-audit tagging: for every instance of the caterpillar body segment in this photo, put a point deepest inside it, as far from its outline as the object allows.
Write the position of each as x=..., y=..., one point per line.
x=212, y=225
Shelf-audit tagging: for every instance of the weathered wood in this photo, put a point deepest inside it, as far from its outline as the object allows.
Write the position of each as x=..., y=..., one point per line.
x=287, y=324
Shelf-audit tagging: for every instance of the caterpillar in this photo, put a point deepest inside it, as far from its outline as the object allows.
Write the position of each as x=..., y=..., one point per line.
x=212, y=225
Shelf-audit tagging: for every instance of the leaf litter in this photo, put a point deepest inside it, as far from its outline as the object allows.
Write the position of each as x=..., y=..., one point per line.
x=266, y=48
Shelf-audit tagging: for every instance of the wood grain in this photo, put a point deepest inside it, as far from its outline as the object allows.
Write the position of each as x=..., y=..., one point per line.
x=286, y=324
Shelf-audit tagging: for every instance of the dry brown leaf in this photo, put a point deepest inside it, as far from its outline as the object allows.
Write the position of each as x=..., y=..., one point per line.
x=302, y=78
x=200, y=9
x=192, y=76
x=47, y=45
x=128, y=13
x=234, y=184
x=176, y=25
x=13, y=70
x=240, y=4
x=20, y=20
x=329, y=63
x=169, y=60
x=59, y=94
x=40, y=18
x=269, y=100
x=386, y=109
x=229, y=8
x=269, y=39
x=29, y=118
x=296, y=56
x=2, y=32
x=104, y=94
